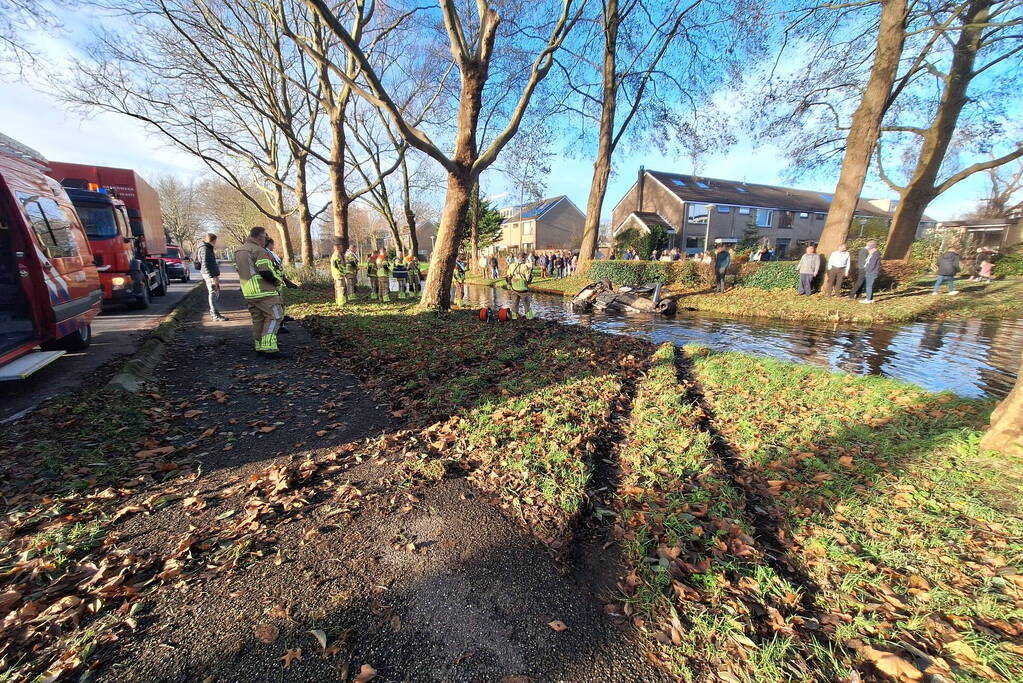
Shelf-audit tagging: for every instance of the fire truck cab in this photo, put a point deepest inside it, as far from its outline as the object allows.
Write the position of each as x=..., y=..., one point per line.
x=49, y=286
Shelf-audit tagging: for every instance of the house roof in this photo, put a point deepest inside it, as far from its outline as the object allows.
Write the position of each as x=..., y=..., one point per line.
x=532, y=210
x=651, y=218
x=703, y=190
x=979, y=223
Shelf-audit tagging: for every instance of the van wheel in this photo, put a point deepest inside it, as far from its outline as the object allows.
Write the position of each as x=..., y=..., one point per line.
x=78, y=340
x=142, y=300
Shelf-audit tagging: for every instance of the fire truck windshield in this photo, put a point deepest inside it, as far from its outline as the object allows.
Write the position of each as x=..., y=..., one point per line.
x=98, y=220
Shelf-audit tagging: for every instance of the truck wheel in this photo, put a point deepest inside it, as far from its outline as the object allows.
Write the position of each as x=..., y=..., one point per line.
x=78, y=340
x=161, y=285
x=142, y=300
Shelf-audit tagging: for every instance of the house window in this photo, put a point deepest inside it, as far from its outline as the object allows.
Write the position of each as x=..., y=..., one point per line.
x=820, y=216
x=785, y=219
x=741, y=189
x=724, y=209
x=700, y=183
x=679, y=182
x=804, y=214
x=527, y=247
x=527, y=227
x=781, y=248
x=763, y=218
x=744, y=210
x=694, y=243
x=697, y=213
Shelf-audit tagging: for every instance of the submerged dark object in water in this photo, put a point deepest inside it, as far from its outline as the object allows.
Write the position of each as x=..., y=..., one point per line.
x=602, y=296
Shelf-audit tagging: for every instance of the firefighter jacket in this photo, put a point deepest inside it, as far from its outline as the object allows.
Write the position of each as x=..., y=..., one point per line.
x=459, y=272
x=251, y=259
x=338, y=267
x=519, y=276
x=383, y=267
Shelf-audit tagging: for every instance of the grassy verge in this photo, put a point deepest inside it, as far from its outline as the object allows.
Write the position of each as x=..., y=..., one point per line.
x=778, y=522
x=914, y=302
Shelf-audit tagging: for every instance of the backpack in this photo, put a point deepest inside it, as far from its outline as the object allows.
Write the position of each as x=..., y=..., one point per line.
x=197, y=258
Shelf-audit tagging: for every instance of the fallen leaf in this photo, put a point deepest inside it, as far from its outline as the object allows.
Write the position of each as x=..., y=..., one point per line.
x=558, y=625
x=321, y=637
x=220, y=396
x=891, y=664
x=191, y=413
x=292, y=656
x=267, y=429
x=366, y=674
x=267, y=633
x=962, y=651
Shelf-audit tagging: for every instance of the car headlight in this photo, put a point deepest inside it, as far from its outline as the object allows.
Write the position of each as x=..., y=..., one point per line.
x=117, y=281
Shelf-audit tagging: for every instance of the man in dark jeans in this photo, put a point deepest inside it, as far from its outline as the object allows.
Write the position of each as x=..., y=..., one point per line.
x=948, y=266
x=210, y=269
x=871, y=269
x=722, y=260
x=861, y=262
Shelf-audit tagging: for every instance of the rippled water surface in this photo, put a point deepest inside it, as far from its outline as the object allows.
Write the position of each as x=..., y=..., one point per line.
x=974, y=358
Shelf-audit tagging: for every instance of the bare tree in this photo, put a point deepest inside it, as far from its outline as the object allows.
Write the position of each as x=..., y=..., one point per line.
x=472, y=33
x=987, y=33
x=228, y=212
x=19, y=20
x=1005, y=192
x=181, y=207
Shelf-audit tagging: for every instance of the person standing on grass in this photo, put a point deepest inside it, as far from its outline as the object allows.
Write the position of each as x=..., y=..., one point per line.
x=400, y=272
x=871, y=269
x=948, y=266
x=458, y=277
x=279, y=274
x=838, y=269
x=983, y=256
x=415, y=274
x=352, y=261
x=339, y=273
x=861, y=263
x=518, y=278
x=495, y=270
x=809, y=267
x=260, y=287
x=383, y=277
x=722, y=260
x=210, y=269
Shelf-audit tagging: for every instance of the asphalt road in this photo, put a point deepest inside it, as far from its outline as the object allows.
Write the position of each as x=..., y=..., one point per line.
x=115, y=333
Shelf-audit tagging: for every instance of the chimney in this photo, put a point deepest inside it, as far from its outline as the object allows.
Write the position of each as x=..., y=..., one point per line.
x=639, y=188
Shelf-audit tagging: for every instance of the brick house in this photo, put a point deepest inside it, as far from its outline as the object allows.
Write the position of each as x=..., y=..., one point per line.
x=547, y=224
x=694, y=209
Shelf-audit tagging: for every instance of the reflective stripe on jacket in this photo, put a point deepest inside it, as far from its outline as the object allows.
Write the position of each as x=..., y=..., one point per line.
x=249, y=259
x=520, y=275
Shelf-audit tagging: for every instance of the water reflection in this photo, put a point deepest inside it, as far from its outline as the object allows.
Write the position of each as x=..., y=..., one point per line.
x=973, y=358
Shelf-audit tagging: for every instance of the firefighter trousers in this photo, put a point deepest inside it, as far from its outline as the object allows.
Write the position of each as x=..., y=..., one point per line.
x=267, y=315
x=383, y=287
x=523, y=297
x=350, y=285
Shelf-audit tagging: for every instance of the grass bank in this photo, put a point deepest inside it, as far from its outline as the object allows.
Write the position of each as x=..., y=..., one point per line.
x=777, y=522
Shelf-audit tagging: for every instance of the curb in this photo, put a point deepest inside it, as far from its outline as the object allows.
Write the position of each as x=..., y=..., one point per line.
x=139, y=368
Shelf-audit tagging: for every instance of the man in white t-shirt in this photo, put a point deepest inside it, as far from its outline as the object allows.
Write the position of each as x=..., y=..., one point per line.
x=838, y=269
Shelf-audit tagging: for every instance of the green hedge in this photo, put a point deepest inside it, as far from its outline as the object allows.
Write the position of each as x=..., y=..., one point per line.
x=687, y=273
x=769, y=275
x=1009, y=265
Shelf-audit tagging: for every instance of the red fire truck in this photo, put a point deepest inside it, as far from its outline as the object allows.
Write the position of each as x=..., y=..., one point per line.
x=121, y=215
x=49, y=288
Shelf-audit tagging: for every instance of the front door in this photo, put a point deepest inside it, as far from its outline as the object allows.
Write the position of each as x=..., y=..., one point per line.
x=16, y=325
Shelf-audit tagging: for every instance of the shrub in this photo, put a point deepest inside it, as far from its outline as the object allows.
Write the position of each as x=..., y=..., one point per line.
x=642, y=243
x=895, y=273
x=769, y=275
x=628, y=272
x=1009, y=264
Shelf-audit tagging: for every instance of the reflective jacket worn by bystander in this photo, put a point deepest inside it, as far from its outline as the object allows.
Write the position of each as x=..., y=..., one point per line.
x=260, y=286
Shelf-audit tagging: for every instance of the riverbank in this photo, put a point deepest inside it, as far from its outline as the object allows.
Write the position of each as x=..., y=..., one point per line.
x=595, y=506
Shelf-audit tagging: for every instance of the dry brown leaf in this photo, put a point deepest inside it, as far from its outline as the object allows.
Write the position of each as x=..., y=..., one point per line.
x=366, y=674
x=891, y=665
x=558, y=625
x=292, y=656
x=963, y=653
x=267, y=429
x=191, y=413
x=152, y=452
x=266, y=633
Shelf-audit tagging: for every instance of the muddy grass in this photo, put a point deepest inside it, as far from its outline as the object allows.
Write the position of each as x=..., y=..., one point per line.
x=425, y=497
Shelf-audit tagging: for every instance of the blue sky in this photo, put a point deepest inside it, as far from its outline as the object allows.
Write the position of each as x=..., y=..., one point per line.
x=42, y=122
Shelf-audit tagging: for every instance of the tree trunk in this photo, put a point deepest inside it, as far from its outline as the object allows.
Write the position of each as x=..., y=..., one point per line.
x=336, y=170
x=437, y=289
x=410, y=216
x=866, y=125
x=1006, y=432
x=605, y=137
x=283, y=244
x=474, y=228
x=305, y=216
x=922, y=187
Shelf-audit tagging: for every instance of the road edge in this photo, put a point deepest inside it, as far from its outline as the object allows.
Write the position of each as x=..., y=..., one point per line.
x=138, y=369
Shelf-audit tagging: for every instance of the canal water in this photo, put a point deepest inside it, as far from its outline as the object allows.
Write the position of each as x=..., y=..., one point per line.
x=973, y=358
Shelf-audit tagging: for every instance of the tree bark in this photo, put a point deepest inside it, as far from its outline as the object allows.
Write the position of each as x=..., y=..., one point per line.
x=474, y=228
x=1006, y=432
x=605, y=137
x=336, y=170
x=866, y=125
x=305, y=216
x=923, y=187
x=410, y=215
x=281, y=219
x=437, y=290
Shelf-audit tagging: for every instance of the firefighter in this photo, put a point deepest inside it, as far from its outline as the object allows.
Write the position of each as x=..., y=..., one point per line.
x=353, y=272
x=415, y=275
x=339, y=273
x=260, y=287
x=400, y=272
x=278, y=271
x=458, y=276
x=383, y=277
x=518, y=278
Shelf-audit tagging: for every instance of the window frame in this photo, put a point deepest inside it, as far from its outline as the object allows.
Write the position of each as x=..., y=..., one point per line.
x=745, y=211
x=770, y=218
x=50, y=216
